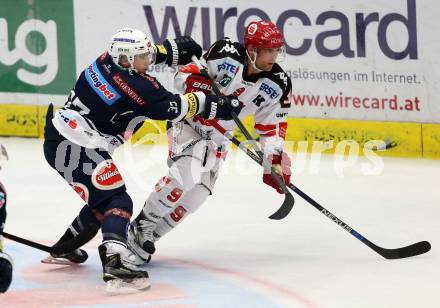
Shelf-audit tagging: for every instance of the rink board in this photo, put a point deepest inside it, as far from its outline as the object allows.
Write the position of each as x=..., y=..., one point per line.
x=324, y=135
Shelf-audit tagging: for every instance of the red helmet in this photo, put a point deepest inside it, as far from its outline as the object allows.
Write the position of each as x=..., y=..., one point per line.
x=263, y=34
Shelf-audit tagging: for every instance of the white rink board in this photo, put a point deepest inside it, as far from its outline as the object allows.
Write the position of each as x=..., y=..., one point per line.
x=420, y=84
x=409, y=92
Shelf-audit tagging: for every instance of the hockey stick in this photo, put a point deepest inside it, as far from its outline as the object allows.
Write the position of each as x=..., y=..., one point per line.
x=397, y=253
x=28, y=242
x=289, y=201
x=82, y=238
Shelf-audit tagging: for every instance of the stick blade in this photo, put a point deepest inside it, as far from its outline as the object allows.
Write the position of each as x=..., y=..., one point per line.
x=285, y=208
x=406, y=252
x=57, y=261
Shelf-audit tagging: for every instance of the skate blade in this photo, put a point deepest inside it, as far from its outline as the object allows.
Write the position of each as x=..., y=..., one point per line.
x=57, y=261
x=120, y=286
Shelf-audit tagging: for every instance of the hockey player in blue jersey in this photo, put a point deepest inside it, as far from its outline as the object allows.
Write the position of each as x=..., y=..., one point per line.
x=5, y=259
x=109, y=102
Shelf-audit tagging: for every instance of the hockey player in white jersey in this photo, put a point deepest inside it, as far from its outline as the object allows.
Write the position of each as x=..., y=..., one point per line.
x=197, y=147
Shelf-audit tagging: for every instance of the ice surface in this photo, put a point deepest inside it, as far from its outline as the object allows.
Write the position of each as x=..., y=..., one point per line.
x=229, y=254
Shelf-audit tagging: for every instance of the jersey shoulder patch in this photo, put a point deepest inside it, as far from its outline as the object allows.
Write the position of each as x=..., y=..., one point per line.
x=226, y=48
x=278, y=76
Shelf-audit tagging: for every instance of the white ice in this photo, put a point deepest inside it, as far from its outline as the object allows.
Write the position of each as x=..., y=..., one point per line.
x=229, y=254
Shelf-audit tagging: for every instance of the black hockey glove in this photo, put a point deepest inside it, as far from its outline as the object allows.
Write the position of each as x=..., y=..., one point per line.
x=180, y=50
x=220, y=107
x=5, y=272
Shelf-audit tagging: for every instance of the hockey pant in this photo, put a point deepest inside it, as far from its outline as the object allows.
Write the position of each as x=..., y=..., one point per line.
x=194, y=164
x=95, y=178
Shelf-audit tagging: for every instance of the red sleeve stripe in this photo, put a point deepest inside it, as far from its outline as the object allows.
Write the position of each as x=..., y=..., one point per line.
x=265, y=127
x=283, y=130
x=269, y=130
x=269, y=134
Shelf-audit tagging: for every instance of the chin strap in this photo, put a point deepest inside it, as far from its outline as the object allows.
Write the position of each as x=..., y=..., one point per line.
x=253, y=60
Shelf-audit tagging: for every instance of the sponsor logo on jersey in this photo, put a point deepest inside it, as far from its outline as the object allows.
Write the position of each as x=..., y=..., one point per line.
x=72, y=123
x=281, y=114
x=225, y=81
x=230, y=49
x=269, y=90
x=106, y=176
x=128, y=90
x=228, y=67
x=152, y=80
x=100, y=85
x=81, y=190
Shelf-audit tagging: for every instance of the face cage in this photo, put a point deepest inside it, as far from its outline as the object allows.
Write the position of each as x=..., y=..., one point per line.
x=281, y=52
x=152, y=51
x=281, y=56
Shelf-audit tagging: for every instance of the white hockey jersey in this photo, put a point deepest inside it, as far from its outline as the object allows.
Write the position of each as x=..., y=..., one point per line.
x=264, y=95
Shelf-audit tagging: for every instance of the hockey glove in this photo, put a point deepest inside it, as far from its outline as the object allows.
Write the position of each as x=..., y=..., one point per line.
x=281, y=163
x=180, y=50
x=5, y=272
x=197, y=82
x=221, y=107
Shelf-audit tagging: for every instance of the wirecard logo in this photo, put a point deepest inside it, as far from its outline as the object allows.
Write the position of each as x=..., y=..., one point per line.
x=100, y=85
x=387, y=26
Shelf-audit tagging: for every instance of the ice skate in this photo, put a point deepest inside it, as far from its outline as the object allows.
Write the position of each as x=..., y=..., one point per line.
x=141, y=237
x=74, y=257
x=120, y=271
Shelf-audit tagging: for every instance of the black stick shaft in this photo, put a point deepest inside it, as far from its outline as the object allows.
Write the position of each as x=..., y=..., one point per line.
x=27, y=242
x=398, y=253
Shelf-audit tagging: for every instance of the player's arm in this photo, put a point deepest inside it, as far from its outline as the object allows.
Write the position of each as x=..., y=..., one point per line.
x=271, y=125
x=164, y=105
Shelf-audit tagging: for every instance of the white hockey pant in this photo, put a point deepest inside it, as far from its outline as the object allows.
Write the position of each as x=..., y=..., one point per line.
x=190, y=180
